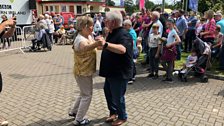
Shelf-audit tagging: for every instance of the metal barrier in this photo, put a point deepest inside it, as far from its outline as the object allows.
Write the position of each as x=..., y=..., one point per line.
x=29, y=34
x=16, y=42
x=20, y=40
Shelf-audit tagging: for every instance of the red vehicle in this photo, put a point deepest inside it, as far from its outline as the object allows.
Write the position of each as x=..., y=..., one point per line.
x=66, y=16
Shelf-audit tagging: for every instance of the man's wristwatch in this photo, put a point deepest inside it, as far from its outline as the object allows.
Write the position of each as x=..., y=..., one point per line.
x=105, y=45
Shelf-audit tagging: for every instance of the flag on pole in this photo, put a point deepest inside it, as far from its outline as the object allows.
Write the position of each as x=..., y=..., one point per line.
x=122, y=3
x=193, y=5
x=141, y=4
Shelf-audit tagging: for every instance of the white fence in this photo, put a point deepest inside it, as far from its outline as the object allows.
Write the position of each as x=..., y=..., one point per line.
x=19, y=41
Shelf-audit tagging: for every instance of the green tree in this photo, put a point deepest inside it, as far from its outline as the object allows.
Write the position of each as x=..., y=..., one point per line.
x=149, y=4
x=129, y=6
x=204, y=5
x=110, y=3
x=174, y=6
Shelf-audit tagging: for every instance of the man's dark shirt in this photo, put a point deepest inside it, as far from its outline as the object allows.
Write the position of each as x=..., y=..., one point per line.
x=102, y=24
x=138, y=25
x=162, y=19
x=114, y=65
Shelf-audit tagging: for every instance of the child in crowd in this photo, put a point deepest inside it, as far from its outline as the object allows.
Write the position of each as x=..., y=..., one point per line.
x=217, y=42
x=191, y=60
x=154, y=45
x=139, y=44
x=200, y=26
x=169, y=51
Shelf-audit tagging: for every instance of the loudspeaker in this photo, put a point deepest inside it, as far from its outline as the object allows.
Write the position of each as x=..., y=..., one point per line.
x=32, y=4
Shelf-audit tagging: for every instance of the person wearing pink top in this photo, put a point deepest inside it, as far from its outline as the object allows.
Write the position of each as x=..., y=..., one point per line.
x=209, y=34
x=146, y=23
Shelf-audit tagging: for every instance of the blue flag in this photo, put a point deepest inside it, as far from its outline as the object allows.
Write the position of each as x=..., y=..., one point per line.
x=122, y=3
x=193, y=5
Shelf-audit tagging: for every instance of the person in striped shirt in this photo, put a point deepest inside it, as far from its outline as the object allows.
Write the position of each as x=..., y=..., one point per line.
x=209, y=33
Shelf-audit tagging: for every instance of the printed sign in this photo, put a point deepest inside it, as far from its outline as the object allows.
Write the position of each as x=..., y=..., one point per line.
x=19, y=8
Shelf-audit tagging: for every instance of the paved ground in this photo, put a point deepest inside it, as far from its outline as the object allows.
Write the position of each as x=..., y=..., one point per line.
x=40, y=87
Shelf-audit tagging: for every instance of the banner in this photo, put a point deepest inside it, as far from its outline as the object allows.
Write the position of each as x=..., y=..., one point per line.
x=193, y=5
x=18, y=8
x=141, y=4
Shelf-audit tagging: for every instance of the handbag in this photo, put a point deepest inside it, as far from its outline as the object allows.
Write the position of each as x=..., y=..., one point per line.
x=1, y=82
x=169, y=54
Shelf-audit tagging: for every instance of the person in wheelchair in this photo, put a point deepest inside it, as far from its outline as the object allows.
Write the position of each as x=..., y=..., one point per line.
x=70, y=35
x=38, y=38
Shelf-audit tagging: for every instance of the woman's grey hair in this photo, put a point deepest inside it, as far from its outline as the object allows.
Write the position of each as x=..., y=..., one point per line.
x=128, y=22
x=82, y=22
x=156, y=13
x=115, y=15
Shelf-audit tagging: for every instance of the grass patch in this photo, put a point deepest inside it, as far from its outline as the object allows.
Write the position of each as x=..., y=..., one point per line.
x=179, y=63
x=141, y=57
x=214, y=69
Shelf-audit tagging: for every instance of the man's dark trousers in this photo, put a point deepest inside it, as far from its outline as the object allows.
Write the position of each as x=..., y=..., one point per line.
x=114, y=90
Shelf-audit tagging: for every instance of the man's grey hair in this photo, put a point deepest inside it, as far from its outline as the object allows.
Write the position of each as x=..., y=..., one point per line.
x=156, y=13
x=46, y=16
x=128, y=22
x=115, y=15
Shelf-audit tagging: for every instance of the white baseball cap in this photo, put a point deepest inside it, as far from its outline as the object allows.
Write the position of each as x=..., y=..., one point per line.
x=218, y=13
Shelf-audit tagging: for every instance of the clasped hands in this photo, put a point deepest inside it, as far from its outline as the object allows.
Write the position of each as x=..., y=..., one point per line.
x=100, y=41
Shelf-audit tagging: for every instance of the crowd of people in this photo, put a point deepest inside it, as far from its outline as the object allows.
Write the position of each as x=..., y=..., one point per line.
x=151, y=29
x=59, y=33
x=178, y=30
